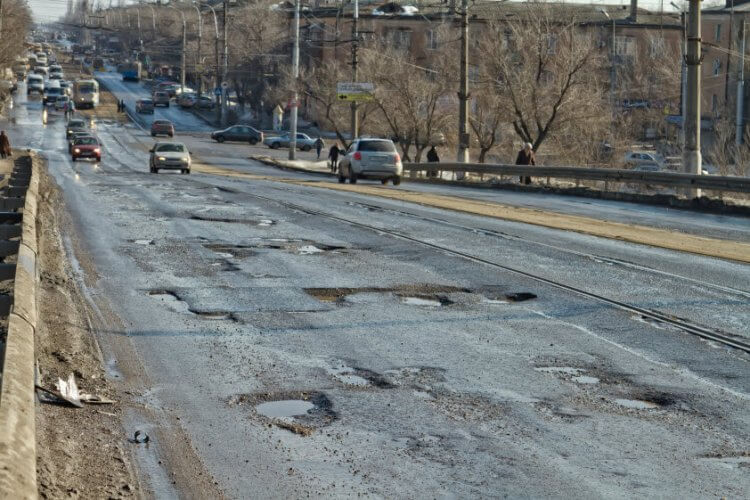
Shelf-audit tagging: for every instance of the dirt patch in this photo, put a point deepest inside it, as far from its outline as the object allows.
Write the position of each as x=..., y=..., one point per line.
x=80, y=451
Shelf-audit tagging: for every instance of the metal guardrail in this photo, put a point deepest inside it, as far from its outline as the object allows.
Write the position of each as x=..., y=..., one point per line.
x=672, y=179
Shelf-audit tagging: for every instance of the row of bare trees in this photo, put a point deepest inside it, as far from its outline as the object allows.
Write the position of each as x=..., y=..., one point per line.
x=15, y=20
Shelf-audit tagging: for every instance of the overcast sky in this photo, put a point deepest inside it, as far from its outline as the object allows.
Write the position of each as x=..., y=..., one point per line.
x=50, y=10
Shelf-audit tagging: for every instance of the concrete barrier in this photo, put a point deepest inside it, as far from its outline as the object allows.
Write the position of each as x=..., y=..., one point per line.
x=17, y=400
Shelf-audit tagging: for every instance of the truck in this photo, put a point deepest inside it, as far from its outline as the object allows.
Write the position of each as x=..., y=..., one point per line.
x=131, y=71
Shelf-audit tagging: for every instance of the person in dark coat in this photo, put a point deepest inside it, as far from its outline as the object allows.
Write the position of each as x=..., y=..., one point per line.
x=318, y=146
x=333, y=156
x=5, y=150
x=526, y=157
x=432, y=157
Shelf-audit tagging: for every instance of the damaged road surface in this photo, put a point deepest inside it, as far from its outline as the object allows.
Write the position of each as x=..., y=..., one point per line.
x=280, y=340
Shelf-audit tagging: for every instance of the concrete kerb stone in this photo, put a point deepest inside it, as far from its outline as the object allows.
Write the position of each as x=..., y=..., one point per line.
x=17, y=403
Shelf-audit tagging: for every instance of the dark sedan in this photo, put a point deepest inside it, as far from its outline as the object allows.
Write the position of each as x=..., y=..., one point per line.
x=241, y=133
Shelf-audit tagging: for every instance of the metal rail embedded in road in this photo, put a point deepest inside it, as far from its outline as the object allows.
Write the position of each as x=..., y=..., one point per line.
x=679, y=323
x=670, y=179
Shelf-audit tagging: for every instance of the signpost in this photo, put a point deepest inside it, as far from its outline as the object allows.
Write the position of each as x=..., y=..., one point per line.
x=355, y=91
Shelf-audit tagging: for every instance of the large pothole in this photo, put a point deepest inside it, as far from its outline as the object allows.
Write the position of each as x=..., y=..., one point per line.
x=300, y=412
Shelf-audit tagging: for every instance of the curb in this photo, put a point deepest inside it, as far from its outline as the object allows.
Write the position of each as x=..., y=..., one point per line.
x=281, y=164
x=17, y=403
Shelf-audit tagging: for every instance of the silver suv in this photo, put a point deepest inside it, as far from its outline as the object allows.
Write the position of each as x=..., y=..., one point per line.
x=370, y=158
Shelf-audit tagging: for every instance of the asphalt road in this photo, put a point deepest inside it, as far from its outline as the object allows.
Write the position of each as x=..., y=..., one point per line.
x=417, y=372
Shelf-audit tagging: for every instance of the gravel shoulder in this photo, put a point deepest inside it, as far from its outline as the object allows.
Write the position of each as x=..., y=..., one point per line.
x=81, y=452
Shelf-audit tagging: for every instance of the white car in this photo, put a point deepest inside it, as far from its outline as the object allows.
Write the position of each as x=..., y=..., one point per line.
x=371, y=158
x=634, y=158
x=169, y=156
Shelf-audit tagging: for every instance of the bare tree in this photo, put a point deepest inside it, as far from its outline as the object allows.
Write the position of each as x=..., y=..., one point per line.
x=548, y=70
x=415, y=102
x=16, y=19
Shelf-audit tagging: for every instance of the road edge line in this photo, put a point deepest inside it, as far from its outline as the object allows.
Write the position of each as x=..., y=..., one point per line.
x=17, y=401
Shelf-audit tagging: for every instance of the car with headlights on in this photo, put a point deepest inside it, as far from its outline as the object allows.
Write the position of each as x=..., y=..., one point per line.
x=169, y=156
x=77, y=135
x=75, y=125
x=371, y=158
x=86, y=147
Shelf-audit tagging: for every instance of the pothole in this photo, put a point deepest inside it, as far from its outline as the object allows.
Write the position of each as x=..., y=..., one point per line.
x=142, y=242
x=427, y=300
x=300, y=412
x=585, y=379
x=520, y=296
x=171, y=300
x=565, y=372
x=358, y=377
x=419, y=290
x=284, y=409
x=230, y=251
x=251, y=222
x=636, y=404
x=214, y=315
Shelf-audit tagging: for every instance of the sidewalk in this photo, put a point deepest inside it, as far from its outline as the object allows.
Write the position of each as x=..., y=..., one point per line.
x=311, y=167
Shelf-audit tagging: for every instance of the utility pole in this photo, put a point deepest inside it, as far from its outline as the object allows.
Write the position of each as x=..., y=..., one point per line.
x=683, y=104
x=295, y=74
x=740, y=118
x=225, y=88
x=692, y=152
x=198, y=69
x=354, y=128
x=463, y=93
x=184, y=43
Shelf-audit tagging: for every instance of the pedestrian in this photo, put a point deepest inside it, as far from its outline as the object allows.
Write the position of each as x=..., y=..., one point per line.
x=432, y=157
x=66, y=110
x=526, y=157
x=71, y=107
x=333, y=156
x=319, y=146
x=5, y=150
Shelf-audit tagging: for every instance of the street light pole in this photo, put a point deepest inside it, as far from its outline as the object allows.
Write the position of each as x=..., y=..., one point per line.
x=216, y=54
x=184, y=41
x=199, y=74
x=224, y=92
x=692, y=153
x=463, y=93
x=295, y=73
x=354, y=128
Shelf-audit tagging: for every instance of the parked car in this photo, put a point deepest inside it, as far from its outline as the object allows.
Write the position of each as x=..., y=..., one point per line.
x=304, y=141
x=370, y=158
x=647, y=167
x=187, y=100
x=86, y=147
x=633, y=158
x=75, y=125
x=242, y=133
x=144, y=106
x=65, y=85
x=205, y=102
x=77, y=135
x=162, y=127
x=161, y=98
x=169, y=156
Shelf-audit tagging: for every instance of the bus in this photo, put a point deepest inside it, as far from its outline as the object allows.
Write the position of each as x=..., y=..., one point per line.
x=86, y=94
x=131, y=71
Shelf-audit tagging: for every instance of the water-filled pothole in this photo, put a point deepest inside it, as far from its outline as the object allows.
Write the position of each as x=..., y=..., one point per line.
x=300, y=412
x=636, y=404
x=519, y=296
x=419, y=290
x=284, y=409
x=358, y=377
x=427, y=300
x=228, y=220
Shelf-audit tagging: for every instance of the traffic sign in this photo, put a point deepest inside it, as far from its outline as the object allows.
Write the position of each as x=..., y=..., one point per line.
x=355, y=91
x=224, y=85
x=217, y=91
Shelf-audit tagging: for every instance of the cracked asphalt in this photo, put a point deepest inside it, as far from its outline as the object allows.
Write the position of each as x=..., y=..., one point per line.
x=429, y=374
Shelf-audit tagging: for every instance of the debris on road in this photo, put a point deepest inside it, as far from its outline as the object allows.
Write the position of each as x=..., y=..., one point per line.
x=140, y=437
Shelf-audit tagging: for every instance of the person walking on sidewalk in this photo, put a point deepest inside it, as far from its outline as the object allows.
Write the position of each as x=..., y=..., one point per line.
x=432, y=157
x=319, y=146
x=333, y=157
x=526, y=157
x=5, y=150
